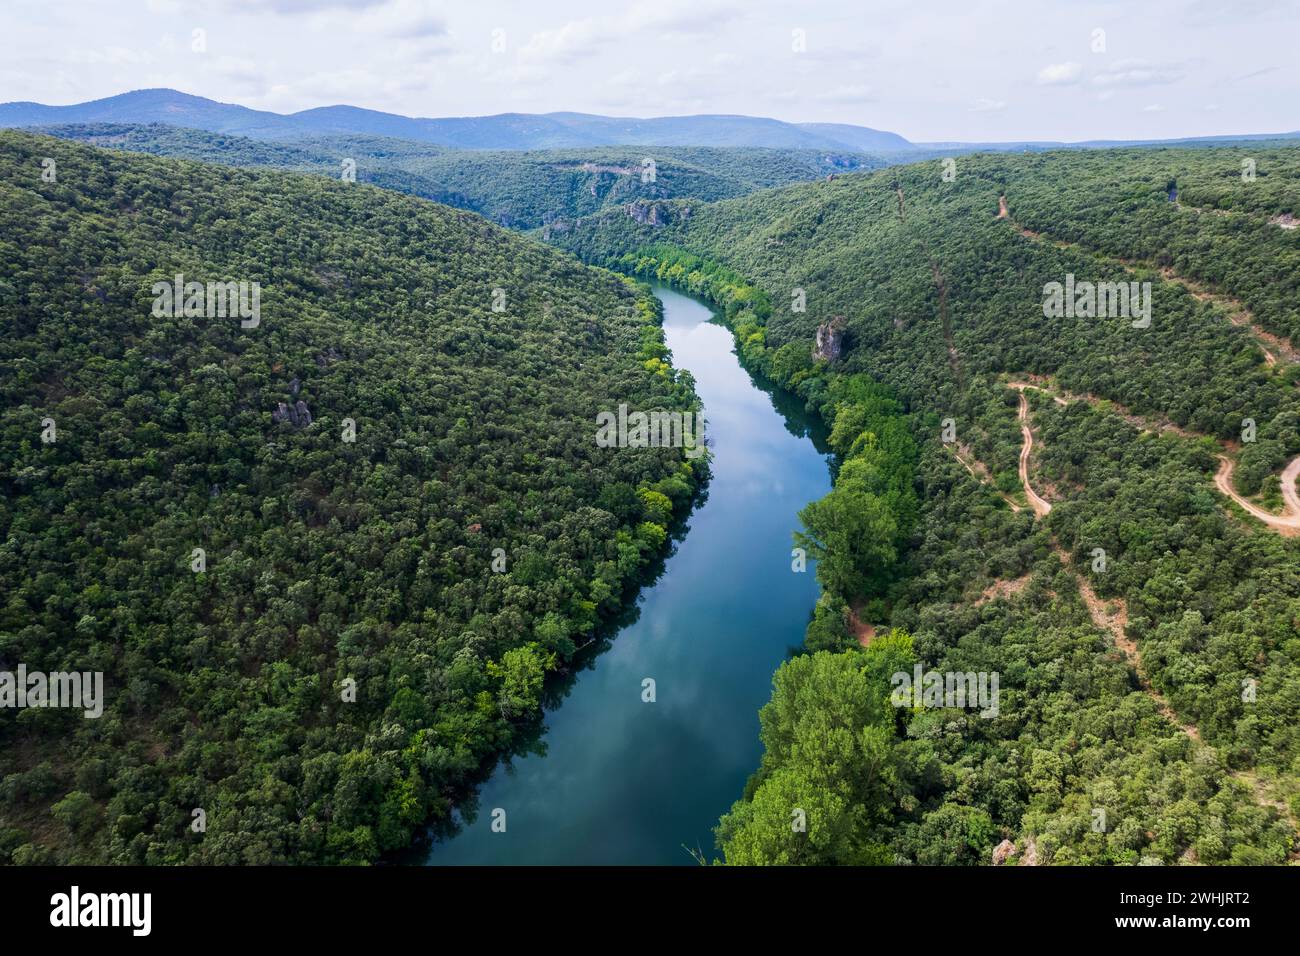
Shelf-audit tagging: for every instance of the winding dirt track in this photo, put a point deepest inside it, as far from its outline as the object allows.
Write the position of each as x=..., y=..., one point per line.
x=1113, y=622
x=982, y=476
x=1287, y=523
x=1112, y=617
x=1040, y=506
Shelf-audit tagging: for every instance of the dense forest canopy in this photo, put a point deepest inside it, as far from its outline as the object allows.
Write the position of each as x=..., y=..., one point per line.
x=324, y=559
x=521, y=189
x=1146, y=634
x=1154, y=688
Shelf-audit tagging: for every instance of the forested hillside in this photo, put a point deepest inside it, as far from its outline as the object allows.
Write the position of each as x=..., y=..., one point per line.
x=324, y=554
x=1145, y=630
x=519, y=189
x=1222, y=217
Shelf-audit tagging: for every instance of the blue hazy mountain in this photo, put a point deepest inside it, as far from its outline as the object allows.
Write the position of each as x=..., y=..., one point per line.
x=503, y=131
x=529, y=131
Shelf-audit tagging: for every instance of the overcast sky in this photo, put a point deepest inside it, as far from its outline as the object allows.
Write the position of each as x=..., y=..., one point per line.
x=928, y=69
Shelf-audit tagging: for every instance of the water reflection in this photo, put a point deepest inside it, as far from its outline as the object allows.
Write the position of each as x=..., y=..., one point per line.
x=610, y=778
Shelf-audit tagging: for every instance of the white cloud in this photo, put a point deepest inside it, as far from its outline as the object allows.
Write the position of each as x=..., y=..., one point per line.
x=586, y=37
x=1059, y=74
x=983, y=105
x=301, y=6
x=681, y=17
x=1132, y=73
x=240, y=70
x=400, y=19
x=575, y=40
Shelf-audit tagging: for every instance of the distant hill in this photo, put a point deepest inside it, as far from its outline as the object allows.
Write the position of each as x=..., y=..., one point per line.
x=859, y=137
x=146, y=106
x=723, y=130
x=519, y=188
x=503, y=131
x=1039, y=146
x=531, y=131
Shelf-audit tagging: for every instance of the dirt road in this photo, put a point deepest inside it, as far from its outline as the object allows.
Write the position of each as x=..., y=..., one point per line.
x=1287, y=523
x=1040, y=506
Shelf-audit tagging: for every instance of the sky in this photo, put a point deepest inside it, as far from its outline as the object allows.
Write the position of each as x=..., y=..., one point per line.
x=931, y=70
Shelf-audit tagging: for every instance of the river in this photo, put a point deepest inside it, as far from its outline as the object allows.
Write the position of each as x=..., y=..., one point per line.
x=623, y=781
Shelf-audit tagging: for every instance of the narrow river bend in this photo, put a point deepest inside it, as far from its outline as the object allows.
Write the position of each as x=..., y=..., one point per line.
x=628, y=782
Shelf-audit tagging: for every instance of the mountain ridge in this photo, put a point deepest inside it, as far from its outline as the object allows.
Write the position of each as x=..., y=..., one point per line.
x=535, y=131
x=498, y=131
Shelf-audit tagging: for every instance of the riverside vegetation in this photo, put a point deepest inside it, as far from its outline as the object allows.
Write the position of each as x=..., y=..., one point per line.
x=347, y=659
x=938, y=299
x=1149, y=701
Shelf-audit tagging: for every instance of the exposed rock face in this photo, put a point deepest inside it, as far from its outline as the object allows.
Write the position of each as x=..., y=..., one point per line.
x=1031, y=854
x=1002, y=851
x=651, y=213
x=298, y=415
x=830, y=340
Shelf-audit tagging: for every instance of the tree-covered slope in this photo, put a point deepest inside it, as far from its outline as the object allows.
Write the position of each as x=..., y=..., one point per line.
x=933, y=286
x=519, y=189
x=324, y=561
x=526, y=190
x=1211, y=215
x=1146, y=633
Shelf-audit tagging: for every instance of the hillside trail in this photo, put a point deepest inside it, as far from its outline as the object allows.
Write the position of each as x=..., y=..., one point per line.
x=945, y=322
x=980, y=472
x=1111, y=617
x=1286, y=524
x=863, y=631
x=1272, y=346
x=1040, y=505
x=1115, y=623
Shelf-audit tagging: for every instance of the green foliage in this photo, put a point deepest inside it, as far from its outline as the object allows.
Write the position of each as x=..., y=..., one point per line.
x=832, y=766
x=948, y=292
x=521, y=189
x=326, y=560
x=938, y=303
